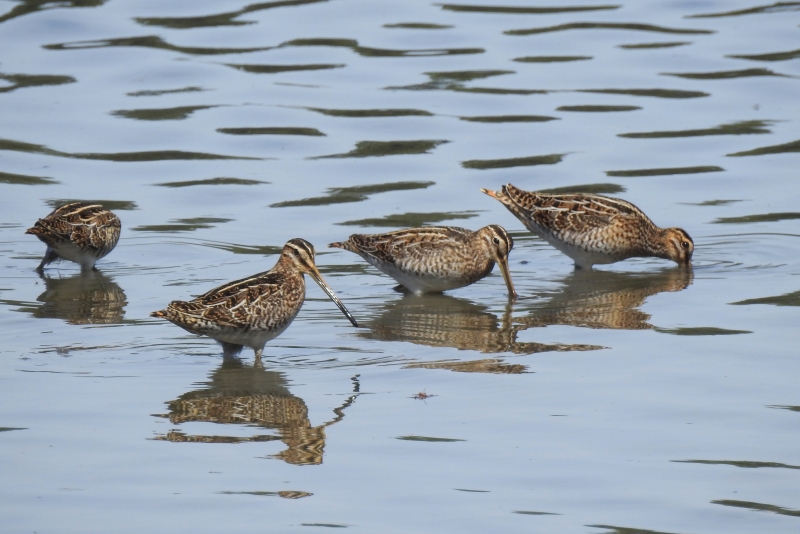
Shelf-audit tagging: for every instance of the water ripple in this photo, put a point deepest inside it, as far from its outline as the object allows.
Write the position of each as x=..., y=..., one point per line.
x=182, y=225
x=212, y=181
x=342, y=195
x=759, y=507
x=159, y=114
x=19, y=81
x=276, y=69
x=606, y=26
x=761, y=217
x=114, y=205
x=365, y=51
x=773, y=56
x=22, y=179
x=484, y=164
x=418, y=26
x=510, y=118
x=789, y=299
x=275, y=130
x=518, y=10
x=551, y=59
x=366, y=113
x=367, y=149
x=32, y=6
x=190, y=89
x=628, y=530
x=794, y=146
x=595, y=189
x=724, y=74
x=735, y=128
x=151, y=155
x=219, y=19
x=739, y=463
x=665, y=171
x=454, y=81
x=598, y=109
x=641, y=46
x=657, y=93
x=777, y=7
x=410, y=220
x=151, y=41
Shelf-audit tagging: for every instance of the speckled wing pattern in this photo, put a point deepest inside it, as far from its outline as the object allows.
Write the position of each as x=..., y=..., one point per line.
x=422, y=251
x=588, y=228
x=578, y=213
x=261, y=302
x=90, y=227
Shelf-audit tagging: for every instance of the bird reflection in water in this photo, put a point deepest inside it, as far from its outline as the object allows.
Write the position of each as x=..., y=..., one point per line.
x=86, y=298
x=605, y=299
x=250, y=395
x=445, y=321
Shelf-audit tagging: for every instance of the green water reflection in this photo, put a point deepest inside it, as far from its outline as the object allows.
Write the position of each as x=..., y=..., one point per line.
x=527, y=161
x=735, y=128
x=159, y=114
x=665, y=171
x=212, y=181
x=523, y=10
x=22, y=179
x=19, y=81
x=777, y=7
x=220, y=19
x=410, y=220
x=723, y=74
x=341, y=195
x=607, y=26
x=369, y=149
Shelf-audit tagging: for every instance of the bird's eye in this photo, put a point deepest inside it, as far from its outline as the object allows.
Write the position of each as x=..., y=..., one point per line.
x=496, y=241
x=296, y=252
x=685, y=244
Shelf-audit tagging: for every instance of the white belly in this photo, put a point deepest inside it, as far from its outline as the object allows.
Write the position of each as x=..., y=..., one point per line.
x=420, y=283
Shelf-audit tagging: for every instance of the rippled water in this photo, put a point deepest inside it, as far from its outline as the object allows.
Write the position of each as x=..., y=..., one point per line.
x=637, y=398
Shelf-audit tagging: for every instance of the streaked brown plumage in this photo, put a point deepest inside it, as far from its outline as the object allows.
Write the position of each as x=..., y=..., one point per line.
x=437, y=258
x=593, y=229
x=251, y=311
x=79, y=232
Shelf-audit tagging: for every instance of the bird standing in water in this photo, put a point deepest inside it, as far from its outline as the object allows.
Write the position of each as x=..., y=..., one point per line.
x=437, y=258
x=80, y=232
x=251, y=311
x=593, y=229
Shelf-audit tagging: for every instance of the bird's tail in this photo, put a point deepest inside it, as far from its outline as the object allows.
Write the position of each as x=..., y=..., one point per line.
x=346, y=245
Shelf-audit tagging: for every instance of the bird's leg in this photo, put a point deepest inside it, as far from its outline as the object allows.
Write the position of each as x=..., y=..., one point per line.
x=49, y=257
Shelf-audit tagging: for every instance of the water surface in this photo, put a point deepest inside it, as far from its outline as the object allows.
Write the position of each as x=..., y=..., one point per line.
x=638, y=398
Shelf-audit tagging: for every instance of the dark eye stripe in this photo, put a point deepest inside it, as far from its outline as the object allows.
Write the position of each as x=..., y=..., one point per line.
x=301, y=246
x=500, y=233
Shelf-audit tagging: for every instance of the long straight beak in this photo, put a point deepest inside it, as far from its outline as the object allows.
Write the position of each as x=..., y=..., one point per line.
x=503, y=263
x=314, y=273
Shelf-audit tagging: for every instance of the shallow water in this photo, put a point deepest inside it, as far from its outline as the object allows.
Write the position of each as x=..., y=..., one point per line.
x=635, y=398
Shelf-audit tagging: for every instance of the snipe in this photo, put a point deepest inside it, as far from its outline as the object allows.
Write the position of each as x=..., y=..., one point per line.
x=79, y=232
x=594, y=229
x=251, y=311
x=437, y=258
